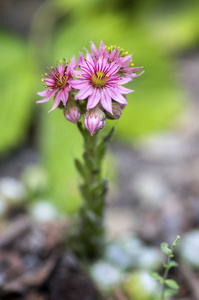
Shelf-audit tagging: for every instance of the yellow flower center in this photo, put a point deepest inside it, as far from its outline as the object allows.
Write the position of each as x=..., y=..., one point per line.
x=99, y=78
x=61, y=80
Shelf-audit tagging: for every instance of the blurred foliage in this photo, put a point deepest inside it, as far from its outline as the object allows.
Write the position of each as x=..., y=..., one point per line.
x=153, y=30
x=17, y=87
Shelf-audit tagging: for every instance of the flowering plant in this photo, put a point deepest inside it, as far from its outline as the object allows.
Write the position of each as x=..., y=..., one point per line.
x=93, y=89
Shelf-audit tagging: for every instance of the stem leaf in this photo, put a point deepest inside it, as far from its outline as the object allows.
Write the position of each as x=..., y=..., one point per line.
x=170, y=292
x=101, y=152
x=165, y=249
x=80, y=168
x=100, y=188
x=172, y=264
x=89, y=161
x=108, y=137
x=156, y=276
x=172, y=284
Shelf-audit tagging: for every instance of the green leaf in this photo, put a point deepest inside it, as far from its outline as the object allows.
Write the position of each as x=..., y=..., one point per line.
x=170, y=292
x=172, y=264
x=165, y=249
x=109, y=136
x=156, y=276
x=100, y=189
x=101, y=153
x=84, y=191
x=80, y=167
x=17, y=76
x=89, y=161
x=172, y=284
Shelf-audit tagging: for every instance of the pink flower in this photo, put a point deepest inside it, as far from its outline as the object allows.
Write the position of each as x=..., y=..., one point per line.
x=58, y=81
x=94, y=120
x=98, y=81
x=116, y=54
x=95, y=52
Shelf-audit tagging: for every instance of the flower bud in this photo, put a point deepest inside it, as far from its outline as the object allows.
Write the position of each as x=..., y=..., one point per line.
x=71, y=112
x=94, y=120
x=117, y=111
x=122, y=105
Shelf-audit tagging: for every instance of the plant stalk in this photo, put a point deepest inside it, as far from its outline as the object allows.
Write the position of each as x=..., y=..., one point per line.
x=90, y=233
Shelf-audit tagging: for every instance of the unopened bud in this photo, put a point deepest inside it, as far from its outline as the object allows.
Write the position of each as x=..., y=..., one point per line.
x=117, y=111
x=71, y=112
x=94, y=120
x=122, y=105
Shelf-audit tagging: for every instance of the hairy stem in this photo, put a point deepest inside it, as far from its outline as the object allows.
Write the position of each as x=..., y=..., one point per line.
x=90, y=234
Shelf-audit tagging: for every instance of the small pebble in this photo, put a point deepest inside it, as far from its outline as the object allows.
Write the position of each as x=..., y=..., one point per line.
x=189, y=248
x=43, y=211
x=35, y=179
x=106, y=274
x=12, y=190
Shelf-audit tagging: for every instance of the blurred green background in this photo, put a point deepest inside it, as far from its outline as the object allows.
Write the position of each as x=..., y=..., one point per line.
x=36, y=34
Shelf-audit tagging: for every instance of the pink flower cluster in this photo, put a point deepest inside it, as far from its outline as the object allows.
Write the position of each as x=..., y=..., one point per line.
x=92, y=87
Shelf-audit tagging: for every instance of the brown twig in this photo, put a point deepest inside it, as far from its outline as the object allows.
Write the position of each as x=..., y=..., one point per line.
x=18, y=228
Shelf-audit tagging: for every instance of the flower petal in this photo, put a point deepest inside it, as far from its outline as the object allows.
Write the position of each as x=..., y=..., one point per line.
x=94, y=50
x=125, y=61
x=106, y=101
x=102, y=47
x=43, y=94
x=77, y=84
x=56, y=101
x=124, y=90
x=72, y=65
x=93, y=99
x=50, y=94
x=60, y=69
x=84, y=92
x=136, y=69
x=114, y=54
x=80, y=60
x=124, y=80
x=115, y=95
x=135, y=75
x=88, y=56
x=64, y=96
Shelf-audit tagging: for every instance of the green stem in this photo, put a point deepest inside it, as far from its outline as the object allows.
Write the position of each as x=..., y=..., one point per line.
x=167, y=268
x=165, y=276
x=90, y=234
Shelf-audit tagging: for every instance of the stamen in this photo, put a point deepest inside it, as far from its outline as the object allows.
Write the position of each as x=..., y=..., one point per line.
x=98, y=79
